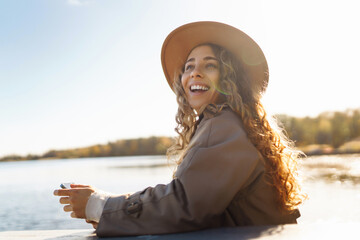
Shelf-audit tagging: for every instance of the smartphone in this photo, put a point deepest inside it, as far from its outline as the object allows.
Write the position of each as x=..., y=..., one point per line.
x=65, y=185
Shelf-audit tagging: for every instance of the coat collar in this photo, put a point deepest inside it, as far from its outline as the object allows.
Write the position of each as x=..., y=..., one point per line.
x=212, y=110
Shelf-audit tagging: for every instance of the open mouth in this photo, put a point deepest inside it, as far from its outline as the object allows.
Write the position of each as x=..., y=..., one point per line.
x=199, y=88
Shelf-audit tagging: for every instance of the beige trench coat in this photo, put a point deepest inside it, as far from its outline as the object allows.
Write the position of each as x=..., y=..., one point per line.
x=220, y=183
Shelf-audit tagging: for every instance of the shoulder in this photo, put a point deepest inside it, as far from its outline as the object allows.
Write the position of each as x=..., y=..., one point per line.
x=220, y=137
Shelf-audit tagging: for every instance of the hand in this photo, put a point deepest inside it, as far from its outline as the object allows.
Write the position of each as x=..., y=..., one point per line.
x=76, y=198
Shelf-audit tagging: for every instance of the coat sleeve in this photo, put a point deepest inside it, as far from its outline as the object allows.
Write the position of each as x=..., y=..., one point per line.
x=209, y=177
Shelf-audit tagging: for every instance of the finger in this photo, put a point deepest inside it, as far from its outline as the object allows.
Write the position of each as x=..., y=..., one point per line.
x=73, y=215
x=90, y=221
x=94, y=224
x=62, y=192
x=79, y=186
x=64, y=200
x=68, y=208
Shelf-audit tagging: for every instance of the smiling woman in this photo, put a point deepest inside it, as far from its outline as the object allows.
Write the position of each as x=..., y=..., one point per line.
x=233, y=167
x=201, y=77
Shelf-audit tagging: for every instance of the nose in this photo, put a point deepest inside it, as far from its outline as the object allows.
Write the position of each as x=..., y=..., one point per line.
x=196, y=72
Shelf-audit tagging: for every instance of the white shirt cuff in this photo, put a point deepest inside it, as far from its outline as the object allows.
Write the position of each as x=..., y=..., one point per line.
x=95, y=205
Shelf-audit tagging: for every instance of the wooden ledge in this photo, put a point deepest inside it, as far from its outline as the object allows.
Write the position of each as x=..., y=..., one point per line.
x=278, y=232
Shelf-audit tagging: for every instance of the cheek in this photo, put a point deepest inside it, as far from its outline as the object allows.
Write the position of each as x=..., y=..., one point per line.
x=215, y=79
x=184, y=81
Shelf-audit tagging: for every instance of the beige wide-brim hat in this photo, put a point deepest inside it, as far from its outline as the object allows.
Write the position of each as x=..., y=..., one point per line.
x=182, y=40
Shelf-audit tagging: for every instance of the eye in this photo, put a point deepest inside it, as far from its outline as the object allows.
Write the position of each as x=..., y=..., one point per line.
x=188, y=67
x=211, y=65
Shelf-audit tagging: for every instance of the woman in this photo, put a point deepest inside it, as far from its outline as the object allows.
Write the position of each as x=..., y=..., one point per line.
x=234, y=168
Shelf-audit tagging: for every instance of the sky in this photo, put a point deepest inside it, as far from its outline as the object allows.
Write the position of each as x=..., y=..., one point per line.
x=74, y=73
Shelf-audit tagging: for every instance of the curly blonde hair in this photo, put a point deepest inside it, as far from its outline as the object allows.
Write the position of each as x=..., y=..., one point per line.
x=238, y=93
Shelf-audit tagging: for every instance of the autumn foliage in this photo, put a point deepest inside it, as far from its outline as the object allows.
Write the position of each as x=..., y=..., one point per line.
x=335, y=130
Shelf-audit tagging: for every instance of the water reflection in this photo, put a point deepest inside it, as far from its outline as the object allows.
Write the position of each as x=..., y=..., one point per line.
x=336, y=168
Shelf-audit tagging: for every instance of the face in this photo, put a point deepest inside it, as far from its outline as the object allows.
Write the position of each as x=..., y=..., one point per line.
x=201, y=77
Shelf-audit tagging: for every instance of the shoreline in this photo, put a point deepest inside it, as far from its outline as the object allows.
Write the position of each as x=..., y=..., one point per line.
x=307, y=154
x=314, y=151
x=324, y=149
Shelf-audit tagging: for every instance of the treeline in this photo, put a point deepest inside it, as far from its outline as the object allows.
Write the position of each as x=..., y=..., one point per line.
x=332, y=128
x=128, y=147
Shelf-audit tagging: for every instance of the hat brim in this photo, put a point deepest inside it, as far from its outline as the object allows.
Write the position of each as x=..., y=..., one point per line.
x=182, y=40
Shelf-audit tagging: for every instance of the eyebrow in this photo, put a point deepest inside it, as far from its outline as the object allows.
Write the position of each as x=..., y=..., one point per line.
x=205, y=58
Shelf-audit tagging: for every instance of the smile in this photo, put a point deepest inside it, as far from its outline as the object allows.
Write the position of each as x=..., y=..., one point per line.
x=198, y=88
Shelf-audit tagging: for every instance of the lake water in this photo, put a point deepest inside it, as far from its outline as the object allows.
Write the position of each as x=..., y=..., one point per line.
x=27, y=201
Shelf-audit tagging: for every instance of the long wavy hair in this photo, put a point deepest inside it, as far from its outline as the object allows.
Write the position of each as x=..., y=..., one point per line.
x=269, y=139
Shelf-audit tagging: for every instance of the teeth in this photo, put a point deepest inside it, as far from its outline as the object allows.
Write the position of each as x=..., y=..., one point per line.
x=198, y=87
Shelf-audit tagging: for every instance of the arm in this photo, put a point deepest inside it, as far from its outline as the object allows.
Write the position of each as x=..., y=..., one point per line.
x=206, y=182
